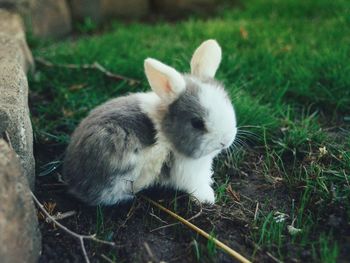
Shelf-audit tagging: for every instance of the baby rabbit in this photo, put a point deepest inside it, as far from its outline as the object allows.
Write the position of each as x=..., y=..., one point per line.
x=167, y=137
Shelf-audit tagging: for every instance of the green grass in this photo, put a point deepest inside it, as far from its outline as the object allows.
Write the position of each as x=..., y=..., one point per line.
x=286, y=65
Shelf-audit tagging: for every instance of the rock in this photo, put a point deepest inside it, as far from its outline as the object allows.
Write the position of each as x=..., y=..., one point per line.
x=4, y=121
x=13, y=100
x=20, y=236
x=15, y=60
x=11, y=31
x=22, y=7
x=14, y=94
x=50, y=18
x=43, y=18
x=124, y=9
x=101, y=10
x=81, y=10
x=178, y=8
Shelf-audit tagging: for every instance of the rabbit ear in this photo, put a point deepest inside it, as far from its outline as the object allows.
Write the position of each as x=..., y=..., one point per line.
x=206, y=59
x=165, y=81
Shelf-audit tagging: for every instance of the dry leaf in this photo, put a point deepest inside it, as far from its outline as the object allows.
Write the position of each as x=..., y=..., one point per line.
x=293, y=231
x=67, y=113
x=323, y=151
x=76, y=87
x=233, y=193
x=286, y=48
x=49, y=207
x=243, y=32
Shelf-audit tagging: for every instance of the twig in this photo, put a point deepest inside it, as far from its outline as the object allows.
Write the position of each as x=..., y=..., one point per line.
x=256, y=211
x=84, y=250
x=129, y=215
x=199, y=213
x=190, y=219
x=60, y=216
x=157, y=217
x=95, y=66
x=107, y=258
x=243, y=207
x=149, y=251
x=233, y=194
x=218, y=243
x=273, y=257
x=70, y=232
x=246, y=197
x=162, y=227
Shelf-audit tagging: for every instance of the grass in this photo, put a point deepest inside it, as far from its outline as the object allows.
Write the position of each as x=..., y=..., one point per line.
x=286, y=65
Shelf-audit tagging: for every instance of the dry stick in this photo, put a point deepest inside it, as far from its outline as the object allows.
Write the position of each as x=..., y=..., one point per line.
x=70, y=232
x=218, y=243
x=95, y=66
x=174, y=224
x=107, y=258
x=256, y=211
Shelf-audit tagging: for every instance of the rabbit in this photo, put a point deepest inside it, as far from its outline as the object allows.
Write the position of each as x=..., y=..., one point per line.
x=167, y=137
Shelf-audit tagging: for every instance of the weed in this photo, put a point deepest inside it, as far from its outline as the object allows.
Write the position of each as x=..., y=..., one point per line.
x=87, y=26
x=99, y=220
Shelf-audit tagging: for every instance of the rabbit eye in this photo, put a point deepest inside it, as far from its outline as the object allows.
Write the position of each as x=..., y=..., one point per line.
x=198, y=124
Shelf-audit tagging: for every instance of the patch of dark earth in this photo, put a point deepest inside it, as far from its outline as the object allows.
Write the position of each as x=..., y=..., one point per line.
x=143, y=233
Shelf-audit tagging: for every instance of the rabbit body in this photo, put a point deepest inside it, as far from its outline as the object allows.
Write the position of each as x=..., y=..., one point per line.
x=167, y=137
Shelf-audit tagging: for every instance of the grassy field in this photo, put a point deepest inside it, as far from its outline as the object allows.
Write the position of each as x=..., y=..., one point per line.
x=286, y=65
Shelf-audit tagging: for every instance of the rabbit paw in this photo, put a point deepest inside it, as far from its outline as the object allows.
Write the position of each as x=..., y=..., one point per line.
x=205, y=195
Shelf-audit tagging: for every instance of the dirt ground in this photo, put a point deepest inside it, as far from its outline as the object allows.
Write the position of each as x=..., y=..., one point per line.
x=142, y=233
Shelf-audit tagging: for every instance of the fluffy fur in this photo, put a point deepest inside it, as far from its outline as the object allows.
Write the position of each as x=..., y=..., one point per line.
x=168, y=137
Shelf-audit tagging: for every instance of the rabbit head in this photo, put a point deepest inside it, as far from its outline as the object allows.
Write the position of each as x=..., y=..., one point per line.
x=199, y=119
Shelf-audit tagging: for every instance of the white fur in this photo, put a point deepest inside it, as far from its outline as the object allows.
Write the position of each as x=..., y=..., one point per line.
x=187, y=174
x=206, y=59
x=221, y=122
x=191, y=175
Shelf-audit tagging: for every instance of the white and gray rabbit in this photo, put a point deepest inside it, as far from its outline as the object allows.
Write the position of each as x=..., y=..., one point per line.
x=168, y=136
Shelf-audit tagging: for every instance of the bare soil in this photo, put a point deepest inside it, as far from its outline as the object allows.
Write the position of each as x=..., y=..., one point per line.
x=143, y=233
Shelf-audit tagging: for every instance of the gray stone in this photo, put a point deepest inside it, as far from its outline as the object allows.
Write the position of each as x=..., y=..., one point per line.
x=124, y=9
x=19, y=233
x=101, y=10
x=81, y=9
x=13, y=37
x=4, y=121
x=14, y=101
x=15, y=60
x=22, y=7
x=179, y=8
x=43, y=18
x=50, y=18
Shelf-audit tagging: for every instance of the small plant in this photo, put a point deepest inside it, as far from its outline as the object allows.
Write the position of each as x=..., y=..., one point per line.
x=329, y=250
x=272, y=232
x=196, y=249
x=87, y=26
x=220, y=191
x=99, y=220
x=211, y=247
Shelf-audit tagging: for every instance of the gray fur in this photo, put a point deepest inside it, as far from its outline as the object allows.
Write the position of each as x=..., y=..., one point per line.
x=98, y=156
x=166, y=168
x=177, y=121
